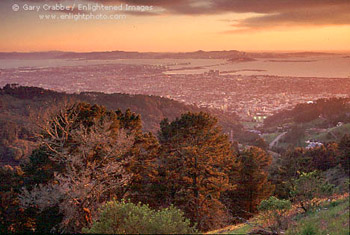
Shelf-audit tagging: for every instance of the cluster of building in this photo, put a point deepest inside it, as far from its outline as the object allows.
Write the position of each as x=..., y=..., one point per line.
x=252, y=97
x=313, y=144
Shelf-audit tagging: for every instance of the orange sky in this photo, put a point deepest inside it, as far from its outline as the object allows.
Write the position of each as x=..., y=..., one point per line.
x=24, y=31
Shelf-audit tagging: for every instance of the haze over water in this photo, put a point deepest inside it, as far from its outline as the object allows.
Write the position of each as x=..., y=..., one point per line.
x=337, y=66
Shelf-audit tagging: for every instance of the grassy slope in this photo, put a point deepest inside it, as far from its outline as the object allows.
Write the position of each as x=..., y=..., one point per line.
x=324, y=137
x=337, y=131
x=330, y=218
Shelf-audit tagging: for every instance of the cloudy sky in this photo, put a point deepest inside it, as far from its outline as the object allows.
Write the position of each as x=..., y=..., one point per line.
x=176, y=25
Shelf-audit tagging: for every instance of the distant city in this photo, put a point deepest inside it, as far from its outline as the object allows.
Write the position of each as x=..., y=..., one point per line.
x=252, y=97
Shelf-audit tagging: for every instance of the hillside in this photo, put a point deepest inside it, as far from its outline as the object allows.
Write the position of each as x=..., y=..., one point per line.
x=190, y=160
x=331, y=217
x=20, y=107
x=321, y=121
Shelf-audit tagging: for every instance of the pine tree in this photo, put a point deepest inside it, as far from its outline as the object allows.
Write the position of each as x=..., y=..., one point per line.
x=195, y=160
x=323, y=157
x=253, y=185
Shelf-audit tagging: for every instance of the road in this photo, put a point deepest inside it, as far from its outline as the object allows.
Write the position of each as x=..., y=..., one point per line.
x=277, y=139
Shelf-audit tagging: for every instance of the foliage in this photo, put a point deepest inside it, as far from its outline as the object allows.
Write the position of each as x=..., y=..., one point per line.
x=320, y=158
x=294, y=161
x=128, y=218
x=22, y=108
x=333, y=109
x=274, y=204
x=344, y=148
x=252, y=182
x=331, y=218
x=142, y=164
x=338, y=177
x=294, y=135
x=273, y=212
x=309, y=229
x=323, y=157
x=307, y=188
x=297, y=160
x=195, y=161
x=12, y=217
x=251, y=139
x=87, y=145
x=89, y=155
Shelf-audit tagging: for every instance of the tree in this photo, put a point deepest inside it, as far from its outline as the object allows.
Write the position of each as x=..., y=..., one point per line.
x=309, y=187
x=344, y=148
x=142, y=157
x=295, y=160
x=143, y=169
x=13, y=219
x=295, y=134
x=194, y=161
x=253, y=185
x=323, y=157
x=260, y=143
x=273, y=212
x=87, y=145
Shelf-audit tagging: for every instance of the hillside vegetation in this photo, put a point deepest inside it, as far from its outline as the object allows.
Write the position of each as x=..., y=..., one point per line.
x=23, y=109
x=331, y=217
x=95, y=169
x=87, y=155
x=322, y=121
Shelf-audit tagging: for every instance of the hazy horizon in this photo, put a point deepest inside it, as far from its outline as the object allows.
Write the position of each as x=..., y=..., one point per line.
x=140, y=51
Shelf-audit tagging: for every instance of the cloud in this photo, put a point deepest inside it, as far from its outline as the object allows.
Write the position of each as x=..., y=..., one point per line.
x=331, y=15
x=275, y=13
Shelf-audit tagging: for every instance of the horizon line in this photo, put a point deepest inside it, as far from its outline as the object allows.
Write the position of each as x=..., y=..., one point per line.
x=199, y=50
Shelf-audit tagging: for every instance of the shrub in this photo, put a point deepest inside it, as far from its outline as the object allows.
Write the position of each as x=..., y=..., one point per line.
x=273, y=212
x=309, y=229
x=308, y=188
x=128, y=218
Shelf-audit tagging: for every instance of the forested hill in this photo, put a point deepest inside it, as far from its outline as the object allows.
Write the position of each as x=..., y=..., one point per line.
x=332, y=110
x=21, y=107
x=320, y=122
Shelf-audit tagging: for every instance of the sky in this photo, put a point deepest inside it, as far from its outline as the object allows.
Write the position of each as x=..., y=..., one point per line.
x=174, y=25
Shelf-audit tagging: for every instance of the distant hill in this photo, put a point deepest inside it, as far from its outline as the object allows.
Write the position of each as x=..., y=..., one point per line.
x=21, y=107
x=232, y=55
x=105, y=55
x=288, y=54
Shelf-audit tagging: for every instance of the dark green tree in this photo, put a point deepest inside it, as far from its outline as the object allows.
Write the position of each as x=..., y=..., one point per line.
x=323, y=157
x=13, y=219
x=142, y=165
x=344, y=149
x=252, y=182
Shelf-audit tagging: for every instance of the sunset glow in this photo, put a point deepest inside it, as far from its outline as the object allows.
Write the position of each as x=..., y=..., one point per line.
x=170, y=28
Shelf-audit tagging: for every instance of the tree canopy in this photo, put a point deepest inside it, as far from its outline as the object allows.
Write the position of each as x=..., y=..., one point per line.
x=195, y=160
